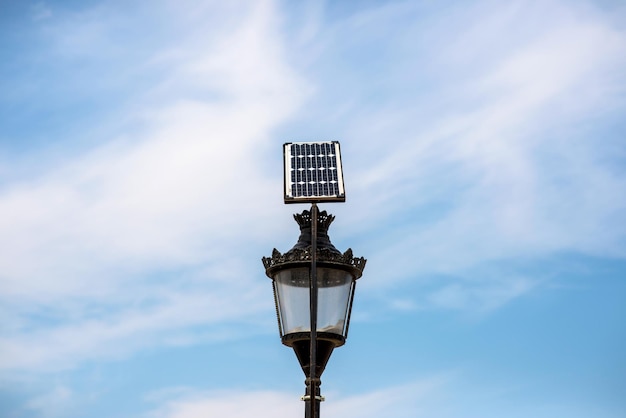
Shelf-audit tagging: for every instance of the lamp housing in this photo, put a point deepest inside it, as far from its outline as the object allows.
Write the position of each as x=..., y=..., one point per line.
x=337, y=274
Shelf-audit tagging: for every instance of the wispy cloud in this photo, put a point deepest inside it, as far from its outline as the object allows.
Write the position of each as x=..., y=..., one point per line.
x=446, y=395
x=55, y=403
x=171, y=193
x=400, y=401
x=460, y=146
x=480, y=298
x=517, y=157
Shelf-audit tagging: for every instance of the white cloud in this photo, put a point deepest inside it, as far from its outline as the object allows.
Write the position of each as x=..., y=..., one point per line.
x=83, y=243
x=512, y=176
x=483, y=297
x=200, y=313
x=232, y=404
x=415, y=399
x=193, y=166
x=483, y=137
x=473, y=169
x=55, y=403
x=444, y=395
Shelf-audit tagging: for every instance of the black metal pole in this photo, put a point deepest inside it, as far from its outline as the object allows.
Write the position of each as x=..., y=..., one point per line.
x=313, y=383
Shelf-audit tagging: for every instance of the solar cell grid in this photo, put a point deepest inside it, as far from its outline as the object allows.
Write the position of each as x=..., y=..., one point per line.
x=313, y=172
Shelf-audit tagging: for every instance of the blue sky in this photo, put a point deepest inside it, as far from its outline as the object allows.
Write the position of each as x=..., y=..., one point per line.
x=484, y=150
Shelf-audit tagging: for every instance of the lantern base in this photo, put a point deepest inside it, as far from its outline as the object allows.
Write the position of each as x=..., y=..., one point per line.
x=301, y=344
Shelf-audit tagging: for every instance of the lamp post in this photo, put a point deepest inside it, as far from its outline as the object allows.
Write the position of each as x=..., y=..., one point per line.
x=314, y=287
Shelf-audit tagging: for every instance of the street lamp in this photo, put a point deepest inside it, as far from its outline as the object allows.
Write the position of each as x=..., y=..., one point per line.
x=313, y=282
x=291, y=274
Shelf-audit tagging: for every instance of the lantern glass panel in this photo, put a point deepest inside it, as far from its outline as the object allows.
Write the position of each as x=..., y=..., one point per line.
x=292, y=292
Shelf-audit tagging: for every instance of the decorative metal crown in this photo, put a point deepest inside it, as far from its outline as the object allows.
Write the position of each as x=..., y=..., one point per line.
x=324, y=219
x=323, y=223
x=326, y=251
x=323, y=256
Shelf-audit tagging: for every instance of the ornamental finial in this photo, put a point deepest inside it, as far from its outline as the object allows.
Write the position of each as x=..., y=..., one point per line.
x=324, y=220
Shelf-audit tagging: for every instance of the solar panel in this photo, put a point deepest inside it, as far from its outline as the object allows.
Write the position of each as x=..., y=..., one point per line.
x=313, y=172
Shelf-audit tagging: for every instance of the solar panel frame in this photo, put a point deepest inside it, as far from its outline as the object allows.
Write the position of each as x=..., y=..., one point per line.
x=313, y=172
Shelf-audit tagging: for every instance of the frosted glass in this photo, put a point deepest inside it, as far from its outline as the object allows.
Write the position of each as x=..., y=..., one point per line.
x=292, y=290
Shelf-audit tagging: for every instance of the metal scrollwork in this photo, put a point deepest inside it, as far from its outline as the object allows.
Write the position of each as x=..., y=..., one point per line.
x=326, y=252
